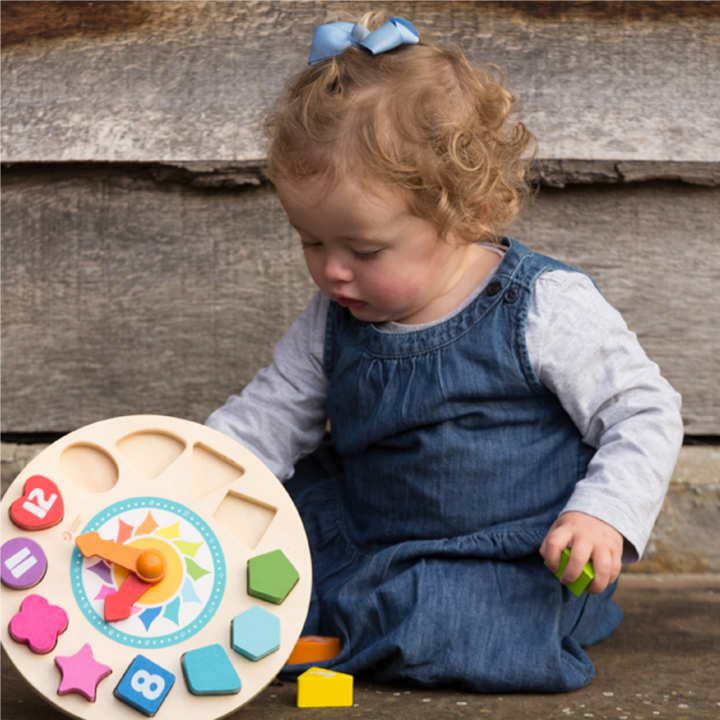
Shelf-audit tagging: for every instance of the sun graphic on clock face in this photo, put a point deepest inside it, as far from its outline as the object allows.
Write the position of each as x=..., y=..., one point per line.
x=187, y=597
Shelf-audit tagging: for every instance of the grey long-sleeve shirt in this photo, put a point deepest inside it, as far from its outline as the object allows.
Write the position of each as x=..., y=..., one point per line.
x=581, y=350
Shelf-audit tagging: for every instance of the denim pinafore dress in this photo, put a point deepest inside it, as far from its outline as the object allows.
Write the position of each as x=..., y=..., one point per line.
x=450, y=462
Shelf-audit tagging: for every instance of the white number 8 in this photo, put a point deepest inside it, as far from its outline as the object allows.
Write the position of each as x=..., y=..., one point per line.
x=142, y=683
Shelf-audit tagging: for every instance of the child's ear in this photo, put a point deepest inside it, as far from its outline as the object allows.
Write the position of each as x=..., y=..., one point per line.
x=482, y=213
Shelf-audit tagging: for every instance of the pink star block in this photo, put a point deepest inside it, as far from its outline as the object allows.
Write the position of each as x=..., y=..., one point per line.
x=81, y=673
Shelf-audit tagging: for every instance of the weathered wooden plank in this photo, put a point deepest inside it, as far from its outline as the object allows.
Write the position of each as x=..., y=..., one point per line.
x=189, y=81
x=123, y=295
x=653, y=250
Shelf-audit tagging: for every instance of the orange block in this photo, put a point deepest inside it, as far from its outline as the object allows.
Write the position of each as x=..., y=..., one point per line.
x=313, y=648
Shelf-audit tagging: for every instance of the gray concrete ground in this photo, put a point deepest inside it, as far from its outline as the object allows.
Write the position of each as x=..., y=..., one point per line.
x=663, y=662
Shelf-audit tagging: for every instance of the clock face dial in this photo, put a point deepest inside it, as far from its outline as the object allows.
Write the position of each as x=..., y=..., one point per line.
x=148, y=482
x=171, y=611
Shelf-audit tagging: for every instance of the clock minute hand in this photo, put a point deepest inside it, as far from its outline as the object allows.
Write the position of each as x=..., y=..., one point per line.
x=149, y=565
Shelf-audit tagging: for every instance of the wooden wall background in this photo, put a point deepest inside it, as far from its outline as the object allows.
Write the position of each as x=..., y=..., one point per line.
x=148, y=268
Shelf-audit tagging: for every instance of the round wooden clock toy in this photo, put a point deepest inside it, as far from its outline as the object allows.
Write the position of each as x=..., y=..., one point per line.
x=150, y=565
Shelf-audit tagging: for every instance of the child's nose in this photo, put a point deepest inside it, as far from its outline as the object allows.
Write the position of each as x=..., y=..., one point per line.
x=337, y=270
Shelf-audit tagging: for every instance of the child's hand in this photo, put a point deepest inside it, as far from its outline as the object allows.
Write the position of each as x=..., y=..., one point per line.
x=588, y=538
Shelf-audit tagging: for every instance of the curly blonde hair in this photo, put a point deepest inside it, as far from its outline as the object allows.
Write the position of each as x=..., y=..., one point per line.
x=418, y=118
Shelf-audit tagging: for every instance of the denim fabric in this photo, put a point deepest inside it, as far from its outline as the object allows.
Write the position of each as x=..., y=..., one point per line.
x=450, y=462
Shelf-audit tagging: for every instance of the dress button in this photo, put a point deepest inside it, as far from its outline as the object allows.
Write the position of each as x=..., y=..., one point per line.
x=493, y=288
x=511, y=295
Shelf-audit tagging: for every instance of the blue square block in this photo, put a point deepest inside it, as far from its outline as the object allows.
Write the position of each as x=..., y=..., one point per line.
x=144, y=686
x=208, y=671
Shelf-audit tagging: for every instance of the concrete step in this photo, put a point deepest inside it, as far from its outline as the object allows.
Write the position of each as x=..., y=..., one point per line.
x=686, y=538
x=662, y=662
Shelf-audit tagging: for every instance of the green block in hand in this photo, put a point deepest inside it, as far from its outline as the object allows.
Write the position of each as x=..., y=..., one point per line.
x=585, y=578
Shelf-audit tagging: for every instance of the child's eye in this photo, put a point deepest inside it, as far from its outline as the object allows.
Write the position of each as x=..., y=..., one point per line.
x=306, y=244
x=367, y=255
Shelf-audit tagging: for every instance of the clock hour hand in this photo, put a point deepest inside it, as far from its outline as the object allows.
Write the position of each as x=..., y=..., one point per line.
x=118, y=605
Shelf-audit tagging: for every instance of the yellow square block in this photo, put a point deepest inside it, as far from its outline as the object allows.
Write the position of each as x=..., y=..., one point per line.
x=318, y=687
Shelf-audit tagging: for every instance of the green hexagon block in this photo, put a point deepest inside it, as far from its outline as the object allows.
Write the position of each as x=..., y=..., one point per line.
x=271, y=576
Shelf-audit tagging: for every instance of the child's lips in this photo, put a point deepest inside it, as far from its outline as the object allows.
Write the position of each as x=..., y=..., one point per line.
x=348, y=302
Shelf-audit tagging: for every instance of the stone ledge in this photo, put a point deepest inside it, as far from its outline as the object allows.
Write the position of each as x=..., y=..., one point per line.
x=686, y=537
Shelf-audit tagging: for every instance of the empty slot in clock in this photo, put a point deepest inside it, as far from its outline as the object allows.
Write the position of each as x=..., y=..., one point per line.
x=151, y=453
x=211, y=471
x=89, y=468
x=246, y=519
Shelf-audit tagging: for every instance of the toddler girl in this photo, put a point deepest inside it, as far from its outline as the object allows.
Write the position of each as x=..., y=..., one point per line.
x=487, y=407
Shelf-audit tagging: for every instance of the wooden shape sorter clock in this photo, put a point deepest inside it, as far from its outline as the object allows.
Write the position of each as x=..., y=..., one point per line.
x=157, y=518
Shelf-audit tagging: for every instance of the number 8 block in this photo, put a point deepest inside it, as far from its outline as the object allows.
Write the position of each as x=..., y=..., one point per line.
x=144, y=686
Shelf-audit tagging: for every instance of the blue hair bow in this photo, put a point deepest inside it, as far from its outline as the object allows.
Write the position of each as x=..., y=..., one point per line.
x=332, y=39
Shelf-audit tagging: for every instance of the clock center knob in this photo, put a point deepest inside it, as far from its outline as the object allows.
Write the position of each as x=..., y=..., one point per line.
x=151, y=565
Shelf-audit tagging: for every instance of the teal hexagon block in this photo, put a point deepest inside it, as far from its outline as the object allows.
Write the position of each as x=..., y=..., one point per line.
x=255, y=633
x=271, y=576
